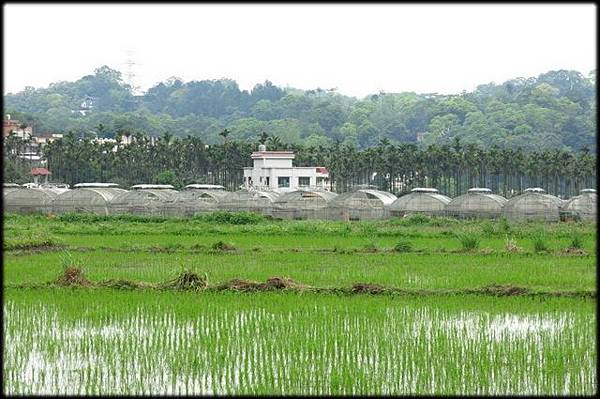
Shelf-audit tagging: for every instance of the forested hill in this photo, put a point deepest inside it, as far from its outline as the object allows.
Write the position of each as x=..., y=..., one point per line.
x=554, y=110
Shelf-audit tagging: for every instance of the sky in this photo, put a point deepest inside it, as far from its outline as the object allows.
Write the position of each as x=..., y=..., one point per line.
x=357, y=49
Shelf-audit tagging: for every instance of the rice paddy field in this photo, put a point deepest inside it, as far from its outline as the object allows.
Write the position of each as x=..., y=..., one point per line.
x=244, y=305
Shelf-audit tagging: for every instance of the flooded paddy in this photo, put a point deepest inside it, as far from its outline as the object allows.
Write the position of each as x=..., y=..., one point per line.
x=118, y=342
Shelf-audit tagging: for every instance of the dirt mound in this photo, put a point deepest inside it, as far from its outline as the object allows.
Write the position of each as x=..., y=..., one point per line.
x=366, y=288
x=187, y=281
x=122, y=284
x=240, y=285
x=282, y=283
x=272, y=284
x=574, y=251
x=222, y=246
x=504, y=290
x=73, y=276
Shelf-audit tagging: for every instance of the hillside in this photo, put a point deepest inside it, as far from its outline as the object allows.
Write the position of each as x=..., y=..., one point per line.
x=556, y=110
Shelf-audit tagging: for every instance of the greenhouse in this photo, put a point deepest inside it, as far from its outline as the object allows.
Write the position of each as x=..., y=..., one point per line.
x=476, y=203
x=143, y=199
x=426, y=201
x=581, y=207
x=8, y=187
x=302, y=204
x=363, y=204
x=250, y=201
x=87, y=198
x=533, y=204
x=29, y=200
x=194, y=199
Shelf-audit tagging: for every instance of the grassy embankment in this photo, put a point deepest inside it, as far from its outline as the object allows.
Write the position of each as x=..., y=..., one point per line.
x=417, y=253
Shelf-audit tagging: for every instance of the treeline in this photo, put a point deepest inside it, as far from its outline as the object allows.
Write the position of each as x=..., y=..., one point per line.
x=452, y=168
x=556, y=110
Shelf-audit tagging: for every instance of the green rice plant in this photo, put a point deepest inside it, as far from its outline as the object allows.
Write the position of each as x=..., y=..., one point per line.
x=504, y=226
x=185, y=342
x=576, y=241
x=235, y=218
x=487, y=228
x=416, y=220
x=403, y=246
x=468, y=241
x=539, y=242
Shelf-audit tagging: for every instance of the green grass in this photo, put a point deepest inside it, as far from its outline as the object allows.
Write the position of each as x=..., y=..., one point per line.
x=404, y=270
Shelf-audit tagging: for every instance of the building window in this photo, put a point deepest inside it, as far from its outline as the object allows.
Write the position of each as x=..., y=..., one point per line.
x=304, y=181
x=320, y=181
x=283, y=181
x=267, y=181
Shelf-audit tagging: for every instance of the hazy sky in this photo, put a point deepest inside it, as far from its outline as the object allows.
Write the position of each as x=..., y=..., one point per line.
x=359, y=49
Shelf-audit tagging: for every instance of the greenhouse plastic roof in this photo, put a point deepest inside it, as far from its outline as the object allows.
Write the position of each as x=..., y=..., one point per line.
x=479, y=190
x=535, y=190
x=152, y=187
x=424, y=190
x=205, y=186
x=95, y=185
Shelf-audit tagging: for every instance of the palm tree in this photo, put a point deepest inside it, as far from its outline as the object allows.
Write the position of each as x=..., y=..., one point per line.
x=262, y=139
x=224, y=133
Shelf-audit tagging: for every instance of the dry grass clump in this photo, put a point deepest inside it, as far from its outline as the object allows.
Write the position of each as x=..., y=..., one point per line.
x=73, y=276
x=188, y=281
x=510, y=245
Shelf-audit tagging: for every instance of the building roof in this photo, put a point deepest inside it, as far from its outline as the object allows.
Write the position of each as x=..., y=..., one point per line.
x=273, y=154
x=40, y=171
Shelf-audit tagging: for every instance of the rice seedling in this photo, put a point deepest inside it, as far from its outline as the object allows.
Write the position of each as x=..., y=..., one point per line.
x=139, y=316
x=539, y=243
x=469, y=241
x=576, y=242
x=403, y=246
x=135, y=342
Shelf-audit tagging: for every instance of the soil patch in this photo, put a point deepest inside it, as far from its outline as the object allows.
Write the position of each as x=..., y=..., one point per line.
x=574, y=251
x=503, y=290
x=272, y=284
x=366, y=288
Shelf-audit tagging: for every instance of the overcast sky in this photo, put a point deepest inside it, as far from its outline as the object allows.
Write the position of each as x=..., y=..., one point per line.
x=358, y=49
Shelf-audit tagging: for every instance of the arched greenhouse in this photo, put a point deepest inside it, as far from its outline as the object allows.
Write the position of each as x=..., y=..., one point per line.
x=8, y=187
x=581, y=207
x=476, y=203
x=92, y=198
x=194, y=199
x=426, y=201
x=143, y=199
x=29, y=200
x=302, y=204
x=249, y=201
x=533, y=204
x=362, y=204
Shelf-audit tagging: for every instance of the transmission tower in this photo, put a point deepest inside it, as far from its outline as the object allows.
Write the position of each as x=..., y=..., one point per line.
x=129, y=70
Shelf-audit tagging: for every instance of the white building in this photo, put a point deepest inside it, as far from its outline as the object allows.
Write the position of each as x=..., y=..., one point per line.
x=273, y=170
